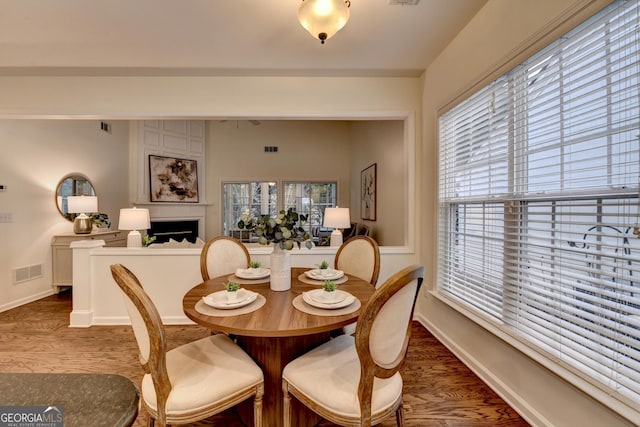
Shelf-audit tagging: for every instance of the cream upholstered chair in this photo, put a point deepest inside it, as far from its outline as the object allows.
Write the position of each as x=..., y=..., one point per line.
x=191, y=382
x=356, y=381
x=223, y=255
x=359, y=256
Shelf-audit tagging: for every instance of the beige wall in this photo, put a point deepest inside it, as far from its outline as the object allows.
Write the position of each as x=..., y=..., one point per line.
x=133, y=98
x=307, y=150
x=36, y=155
x=314, y=150
x=499, y=35
x=382, y=142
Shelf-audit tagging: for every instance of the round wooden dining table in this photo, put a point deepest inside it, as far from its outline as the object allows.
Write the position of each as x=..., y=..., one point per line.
x=277, y=333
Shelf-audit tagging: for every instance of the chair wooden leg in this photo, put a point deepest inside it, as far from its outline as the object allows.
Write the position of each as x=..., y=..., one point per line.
x=399, y=416
x=257, y=406
x=286, y=407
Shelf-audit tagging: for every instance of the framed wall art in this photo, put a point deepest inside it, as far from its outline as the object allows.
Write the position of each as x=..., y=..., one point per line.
x=173, y=180
x=368, y=193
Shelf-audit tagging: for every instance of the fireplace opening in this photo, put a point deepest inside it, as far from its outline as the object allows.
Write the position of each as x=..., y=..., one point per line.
x=176, y=230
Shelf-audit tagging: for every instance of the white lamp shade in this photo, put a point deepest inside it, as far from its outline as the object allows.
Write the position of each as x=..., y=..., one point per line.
x=337, y=218
x=134, y=219
x=325, y=17
x=82, y=204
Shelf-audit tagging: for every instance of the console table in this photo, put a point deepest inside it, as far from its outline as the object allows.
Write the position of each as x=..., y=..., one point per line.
x=63, y=255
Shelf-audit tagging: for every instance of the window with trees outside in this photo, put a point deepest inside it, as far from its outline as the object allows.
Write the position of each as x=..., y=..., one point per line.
x=256, y=198
x=538, y=203
x=259, y=198
x=311, y=198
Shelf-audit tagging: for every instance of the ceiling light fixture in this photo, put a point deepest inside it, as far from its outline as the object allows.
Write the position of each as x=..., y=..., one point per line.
x=323, y=18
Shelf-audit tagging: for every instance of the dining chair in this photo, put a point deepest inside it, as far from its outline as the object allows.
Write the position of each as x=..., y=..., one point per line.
x=364, y=230
x=223, y=255
x=193, y=381
x=355, y=381
x=348, y=233
x=359, y=256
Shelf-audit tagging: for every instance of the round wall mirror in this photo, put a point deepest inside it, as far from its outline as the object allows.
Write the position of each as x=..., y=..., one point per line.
x=74, y=184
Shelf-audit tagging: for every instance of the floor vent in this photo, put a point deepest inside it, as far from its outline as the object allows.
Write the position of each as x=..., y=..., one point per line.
x=24, y=274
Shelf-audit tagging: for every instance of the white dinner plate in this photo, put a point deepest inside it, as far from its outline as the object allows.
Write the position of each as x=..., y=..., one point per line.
x=331, y=274
x=316, y=299
x=321, y=297
x=247, y=273
x=220, y=300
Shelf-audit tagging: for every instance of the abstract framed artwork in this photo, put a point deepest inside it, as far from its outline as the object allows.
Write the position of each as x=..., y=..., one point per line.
x=368, y=193
x=173, y=180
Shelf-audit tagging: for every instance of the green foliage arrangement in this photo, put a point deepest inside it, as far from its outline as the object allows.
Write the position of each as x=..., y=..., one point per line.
x=147, y=240
x=329, y=285
x=231, y=286
x=285, y=229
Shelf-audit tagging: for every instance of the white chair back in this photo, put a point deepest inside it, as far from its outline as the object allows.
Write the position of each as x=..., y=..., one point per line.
x=388, y=332
x=360, y=257
x=223, y=255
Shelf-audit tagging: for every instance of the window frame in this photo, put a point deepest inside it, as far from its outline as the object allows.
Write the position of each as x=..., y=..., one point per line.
x=279, y=204
x=512, y=200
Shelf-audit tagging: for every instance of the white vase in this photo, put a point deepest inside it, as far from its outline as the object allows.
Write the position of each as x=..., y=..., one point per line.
x=280, y=264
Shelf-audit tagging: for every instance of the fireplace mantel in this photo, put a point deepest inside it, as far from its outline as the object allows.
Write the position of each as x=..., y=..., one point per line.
x=184, y=139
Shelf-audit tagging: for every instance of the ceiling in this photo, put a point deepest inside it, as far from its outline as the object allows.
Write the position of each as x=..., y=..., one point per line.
x=221, y=37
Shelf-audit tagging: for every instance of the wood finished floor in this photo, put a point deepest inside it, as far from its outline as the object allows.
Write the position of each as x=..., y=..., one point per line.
x=439, y=390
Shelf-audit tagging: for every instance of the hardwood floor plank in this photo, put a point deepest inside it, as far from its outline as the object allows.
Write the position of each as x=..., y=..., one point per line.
x=440, y=391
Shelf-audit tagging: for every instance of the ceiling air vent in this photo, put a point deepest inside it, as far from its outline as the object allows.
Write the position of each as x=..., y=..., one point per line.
x=404, y=2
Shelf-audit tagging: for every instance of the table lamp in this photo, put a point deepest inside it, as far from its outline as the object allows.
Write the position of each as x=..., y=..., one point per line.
x=336, y=218
x=82, y=205
x=134, y=219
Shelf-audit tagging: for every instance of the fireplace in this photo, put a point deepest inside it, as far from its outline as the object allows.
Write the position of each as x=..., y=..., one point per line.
x=176, y=230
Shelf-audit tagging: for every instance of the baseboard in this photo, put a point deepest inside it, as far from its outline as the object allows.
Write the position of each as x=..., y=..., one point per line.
x=124, y=320
x=510, y=396
x=26, y=300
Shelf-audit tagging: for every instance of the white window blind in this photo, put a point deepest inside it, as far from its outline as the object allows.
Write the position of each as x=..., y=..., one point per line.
x=539, y=180
x=311, y=199
x=257, y=198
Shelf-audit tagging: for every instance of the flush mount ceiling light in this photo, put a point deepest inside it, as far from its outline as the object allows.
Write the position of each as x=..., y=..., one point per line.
x=323, y=18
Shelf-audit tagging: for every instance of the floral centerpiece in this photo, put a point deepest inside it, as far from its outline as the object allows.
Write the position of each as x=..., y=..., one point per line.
x=285, y=229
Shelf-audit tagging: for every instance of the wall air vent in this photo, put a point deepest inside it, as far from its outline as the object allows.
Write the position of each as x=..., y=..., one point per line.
x=270, y=149
x=24, y=274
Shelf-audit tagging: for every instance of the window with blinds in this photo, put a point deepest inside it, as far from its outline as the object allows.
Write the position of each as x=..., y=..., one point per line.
x=262, y=197
x=256, y=198
x=311, y=199
x=538, y=202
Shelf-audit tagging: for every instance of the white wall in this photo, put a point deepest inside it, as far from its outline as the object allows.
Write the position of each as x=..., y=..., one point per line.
x=499, y=35
x=36, y=155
